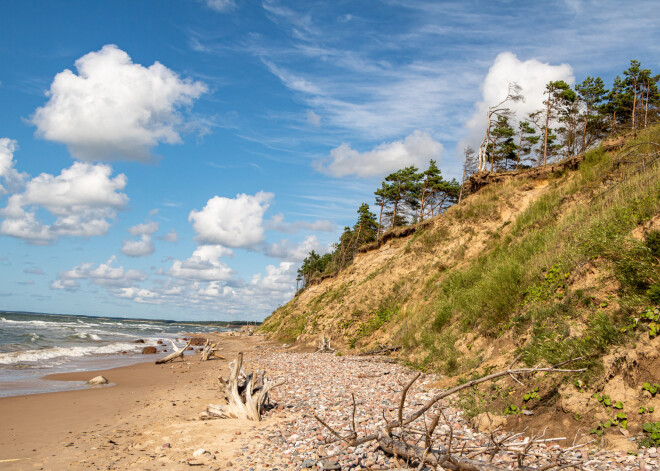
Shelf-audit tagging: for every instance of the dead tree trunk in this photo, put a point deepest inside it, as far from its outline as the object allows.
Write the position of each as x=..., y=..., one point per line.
x=246, y=394
x=176, y=354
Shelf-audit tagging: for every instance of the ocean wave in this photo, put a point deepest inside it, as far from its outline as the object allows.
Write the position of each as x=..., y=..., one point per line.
x=62, y=353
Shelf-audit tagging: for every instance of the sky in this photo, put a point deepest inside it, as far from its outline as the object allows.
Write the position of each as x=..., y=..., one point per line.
x=178, y=159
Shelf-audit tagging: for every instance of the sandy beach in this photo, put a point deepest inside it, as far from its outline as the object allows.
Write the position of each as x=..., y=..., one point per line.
x=148, y=418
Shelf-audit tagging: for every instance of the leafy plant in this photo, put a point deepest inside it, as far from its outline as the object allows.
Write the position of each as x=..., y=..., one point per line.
x=533, y=394
x=512, y=409
x=652, y=388
x=653, y=429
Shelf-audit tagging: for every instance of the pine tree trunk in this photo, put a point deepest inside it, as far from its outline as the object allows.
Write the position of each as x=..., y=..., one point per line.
x=379, y=219
x=545, y=134
x=584, y=132
x=634, y=108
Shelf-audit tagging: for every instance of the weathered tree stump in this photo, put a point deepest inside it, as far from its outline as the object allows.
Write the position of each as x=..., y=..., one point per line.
x=246, y=394
x=324, y=345
x=210, y=350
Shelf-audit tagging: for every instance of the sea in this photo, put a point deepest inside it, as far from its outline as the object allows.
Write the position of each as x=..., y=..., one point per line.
x=35, y=345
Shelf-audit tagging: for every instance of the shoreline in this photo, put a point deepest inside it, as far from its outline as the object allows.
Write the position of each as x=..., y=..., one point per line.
x=53, y=430
x=149, y=418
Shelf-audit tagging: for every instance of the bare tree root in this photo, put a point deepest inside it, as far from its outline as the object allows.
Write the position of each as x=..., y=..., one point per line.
x=246, y=395
x=413, y=440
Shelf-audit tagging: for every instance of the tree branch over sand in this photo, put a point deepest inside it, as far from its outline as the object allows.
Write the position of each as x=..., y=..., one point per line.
x=412, y=439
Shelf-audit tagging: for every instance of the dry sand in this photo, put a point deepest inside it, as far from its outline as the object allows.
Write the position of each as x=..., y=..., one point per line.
x=128, y=424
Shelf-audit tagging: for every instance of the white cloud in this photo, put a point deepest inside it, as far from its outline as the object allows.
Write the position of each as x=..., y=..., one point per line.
x=12, y=179
x=416, y=149
x=286, y=250
x=278, y=279
x=221, y=5
x=104, y=275
x=172, y=236
x=203, y=265
x=83, y=198
x=232, y=222
x=115, y=109
x=138, y=248
x=277, y=223
x=146, y=228
x=313, y=119
x=532, y=75
x=139, y=295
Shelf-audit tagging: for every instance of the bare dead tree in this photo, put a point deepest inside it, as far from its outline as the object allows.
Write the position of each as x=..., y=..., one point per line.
x=513, y=95
x=395, y=436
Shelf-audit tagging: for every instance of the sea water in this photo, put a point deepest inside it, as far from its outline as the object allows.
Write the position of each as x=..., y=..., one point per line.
x=34, y=345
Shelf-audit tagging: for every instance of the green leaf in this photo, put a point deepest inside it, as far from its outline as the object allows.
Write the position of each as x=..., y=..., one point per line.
x=621, y=415
x=607, y=401
x=618, y=405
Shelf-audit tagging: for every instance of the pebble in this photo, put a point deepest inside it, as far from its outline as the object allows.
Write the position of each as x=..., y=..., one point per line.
x=325, y=385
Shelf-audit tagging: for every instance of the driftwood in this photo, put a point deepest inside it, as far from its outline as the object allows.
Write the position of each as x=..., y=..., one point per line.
x=178, y=353
x=210, y=350
x=406, y=437
x=378, y=351
x=324, y=345
x=246, y=394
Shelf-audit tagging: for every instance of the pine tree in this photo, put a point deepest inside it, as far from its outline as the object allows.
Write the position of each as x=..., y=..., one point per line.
x=556, y=92
x=431, y=182
x=592, y=92
x=632, y=84
x=503, y=147
x=383, y=197
x=402, y=183
x=527, y=139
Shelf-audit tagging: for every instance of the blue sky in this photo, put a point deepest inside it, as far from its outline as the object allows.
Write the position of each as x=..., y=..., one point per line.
x=178, y=159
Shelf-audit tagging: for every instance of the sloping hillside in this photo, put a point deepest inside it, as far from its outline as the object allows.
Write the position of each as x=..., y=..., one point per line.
x=550, y=265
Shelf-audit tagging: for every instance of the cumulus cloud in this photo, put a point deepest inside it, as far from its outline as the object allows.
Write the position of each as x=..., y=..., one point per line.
x=532, y=76
x=232, y=222
x=105, y=275
x=416, y=149
x=277, y=279
x=203, y=265
x=277, y=223
x=139, y=295
x=12, y=179
x=172, y=236
x=115, y=109
x=83, y=198
x=138, y=248
x=146, y=228
x=295, y=252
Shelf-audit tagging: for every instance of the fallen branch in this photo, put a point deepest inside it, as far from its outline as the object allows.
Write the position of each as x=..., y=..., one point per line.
x=398, y=445
x=178, y=353
x=246, y=394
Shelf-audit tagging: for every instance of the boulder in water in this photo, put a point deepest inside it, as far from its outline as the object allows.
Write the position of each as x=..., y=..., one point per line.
x=98, y=380
x=149, y=350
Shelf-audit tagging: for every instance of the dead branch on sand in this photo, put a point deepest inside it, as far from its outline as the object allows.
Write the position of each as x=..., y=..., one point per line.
x=178, y=353
x=412, y=440
x=246, y=394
